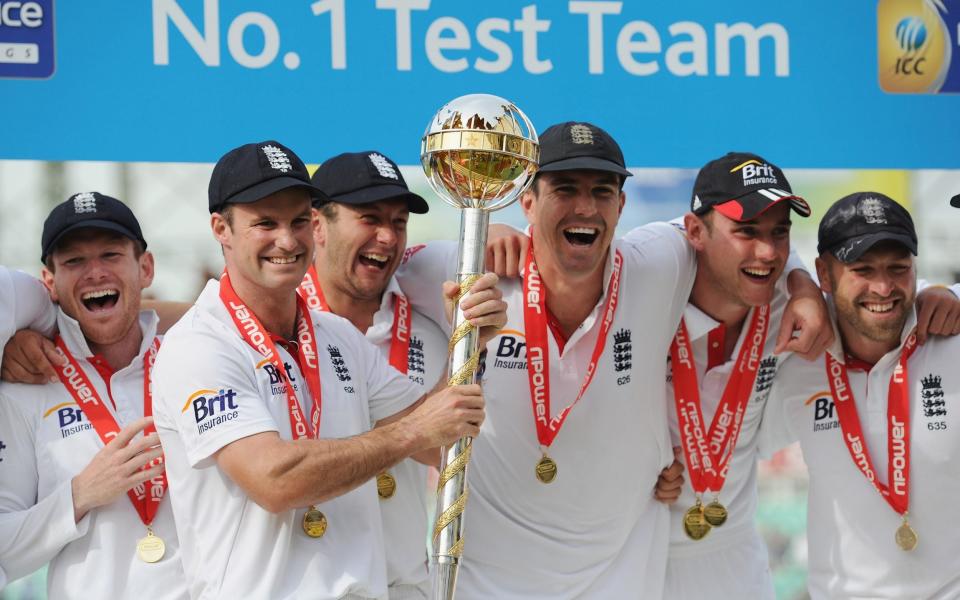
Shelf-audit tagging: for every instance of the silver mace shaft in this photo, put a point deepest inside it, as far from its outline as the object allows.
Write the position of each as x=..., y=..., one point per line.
x=464, y=360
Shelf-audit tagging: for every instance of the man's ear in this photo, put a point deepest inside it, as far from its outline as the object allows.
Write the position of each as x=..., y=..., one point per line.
x=696, y=231
x=46, y=276
x=146, y=270
x=221, y=229
x=823, y=274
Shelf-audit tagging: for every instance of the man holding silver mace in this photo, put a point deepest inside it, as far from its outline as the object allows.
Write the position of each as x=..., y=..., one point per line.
x=276, y=419
x=563, y=507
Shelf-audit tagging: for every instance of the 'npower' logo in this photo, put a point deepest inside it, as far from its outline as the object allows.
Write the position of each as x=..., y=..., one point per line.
x=915, y=46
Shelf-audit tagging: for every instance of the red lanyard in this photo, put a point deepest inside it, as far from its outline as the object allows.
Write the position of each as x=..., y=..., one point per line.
x=399, y=334
x=310, y=290
x=708, y=456
x=538, y=352
x=145, y=499
x=254, y=334
x=897, y=489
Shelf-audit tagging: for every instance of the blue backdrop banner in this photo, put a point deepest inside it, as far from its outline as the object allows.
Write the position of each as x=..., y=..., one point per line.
x=818, y=83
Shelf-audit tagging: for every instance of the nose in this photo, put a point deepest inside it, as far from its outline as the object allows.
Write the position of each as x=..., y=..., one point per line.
x=286, y=240
x=585, y=205
x=882, y=285
x=96, y=270
x=765, y=249
x=387, y=235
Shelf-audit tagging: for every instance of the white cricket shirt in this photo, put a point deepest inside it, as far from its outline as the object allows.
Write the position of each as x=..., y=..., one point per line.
x=739, y=493
x=212, y=389
x=850, y=527
x=48, y=440
x=596, y=531
x=405, y=514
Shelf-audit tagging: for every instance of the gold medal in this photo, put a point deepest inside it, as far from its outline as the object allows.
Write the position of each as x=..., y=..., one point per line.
x=386, y=485
x=695, y=525
x=151, y=548
x=906, y=537
x=314, y=523
x=546, y=469
x=715, y=513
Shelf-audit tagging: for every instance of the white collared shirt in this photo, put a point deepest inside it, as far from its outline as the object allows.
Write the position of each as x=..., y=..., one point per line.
x=232, y=547
x=405, y=514
x=596, y=531
x=739, y=493
x=48, y=441
x=850, y=527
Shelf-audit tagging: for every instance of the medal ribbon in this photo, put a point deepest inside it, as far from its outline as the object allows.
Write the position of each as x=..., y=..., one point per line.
x=708, y=456
x=897, y=489
x=259, y=339
x=311, y=291
x=400, y=333
x=538, y=352
x=145, y=501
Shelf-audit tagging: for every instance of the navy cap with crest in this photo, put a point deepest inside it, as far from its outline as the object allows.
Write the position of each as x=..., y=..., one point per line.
x=254, y=171
x=741, y=186
x=955, y=201
x=576, y=145
x=857, y=222
x=88, y=210
x=363, y=178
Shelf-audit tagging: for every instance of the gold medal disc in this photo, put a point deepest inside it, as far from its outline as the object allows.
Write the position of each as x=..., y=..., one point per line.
x=386, y=485
x=546, y=469
x=906, y=537
x=314, y=523
x=695, y=525
x=151, y=548
x=715, y=513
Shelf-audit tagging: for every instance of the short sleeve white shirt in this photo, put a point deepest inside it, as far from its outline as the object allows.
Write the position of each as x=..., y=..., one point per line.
x=596, y=531
x=850, y=527
x=47, y=440
x=212, y=389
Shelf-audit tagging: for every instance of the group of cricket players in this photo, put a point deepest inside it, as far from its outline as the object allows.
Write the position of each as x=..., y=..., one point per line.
x=278, y=438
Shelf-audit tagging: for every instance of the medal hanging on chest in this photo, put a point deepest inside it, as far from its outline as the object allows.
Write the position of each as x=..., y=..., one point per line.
x=311, y=291
x=538, y=356
x=708, y=452
x=314, y=522
x=146, y=497
x=897, y=489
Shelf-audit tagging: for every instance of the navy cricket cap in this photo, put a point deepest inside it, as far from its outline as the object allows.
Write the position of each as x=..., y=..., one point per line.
x=741, y=186
x=857, y=222
x=572, y=145
x=91, y=210
x=254, y=171
x=955, y=201
x=363, y=178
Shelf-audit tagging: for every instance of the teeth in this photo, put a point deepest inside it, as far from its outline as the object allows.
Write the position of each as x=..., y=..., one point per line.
x=759, y=272
x=377, y=257
x=282, y=260
x=584, y=230
x=98, y=294
x=877, y=307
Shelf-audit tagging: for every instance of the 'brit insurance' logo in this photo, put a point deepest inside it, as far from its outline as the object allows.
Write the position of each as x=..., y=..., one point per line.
x=824, y=412
x=69, y=417
x=915, y=46
x=212, y=407
x=26, y=39
x=511, y=350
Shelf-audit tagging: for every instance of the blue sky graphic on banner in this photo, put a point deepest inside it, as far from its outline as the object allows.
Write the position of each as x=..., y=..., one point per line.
x=676, y=82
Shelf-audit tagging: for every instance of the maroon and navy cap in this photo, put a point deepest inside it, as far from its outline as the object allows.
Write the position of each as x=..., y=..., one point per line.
x=741, y=186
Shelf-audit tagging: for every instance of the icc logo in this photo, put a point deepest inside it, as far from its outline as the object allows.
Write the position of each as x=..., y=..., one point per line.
x=914, y=46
